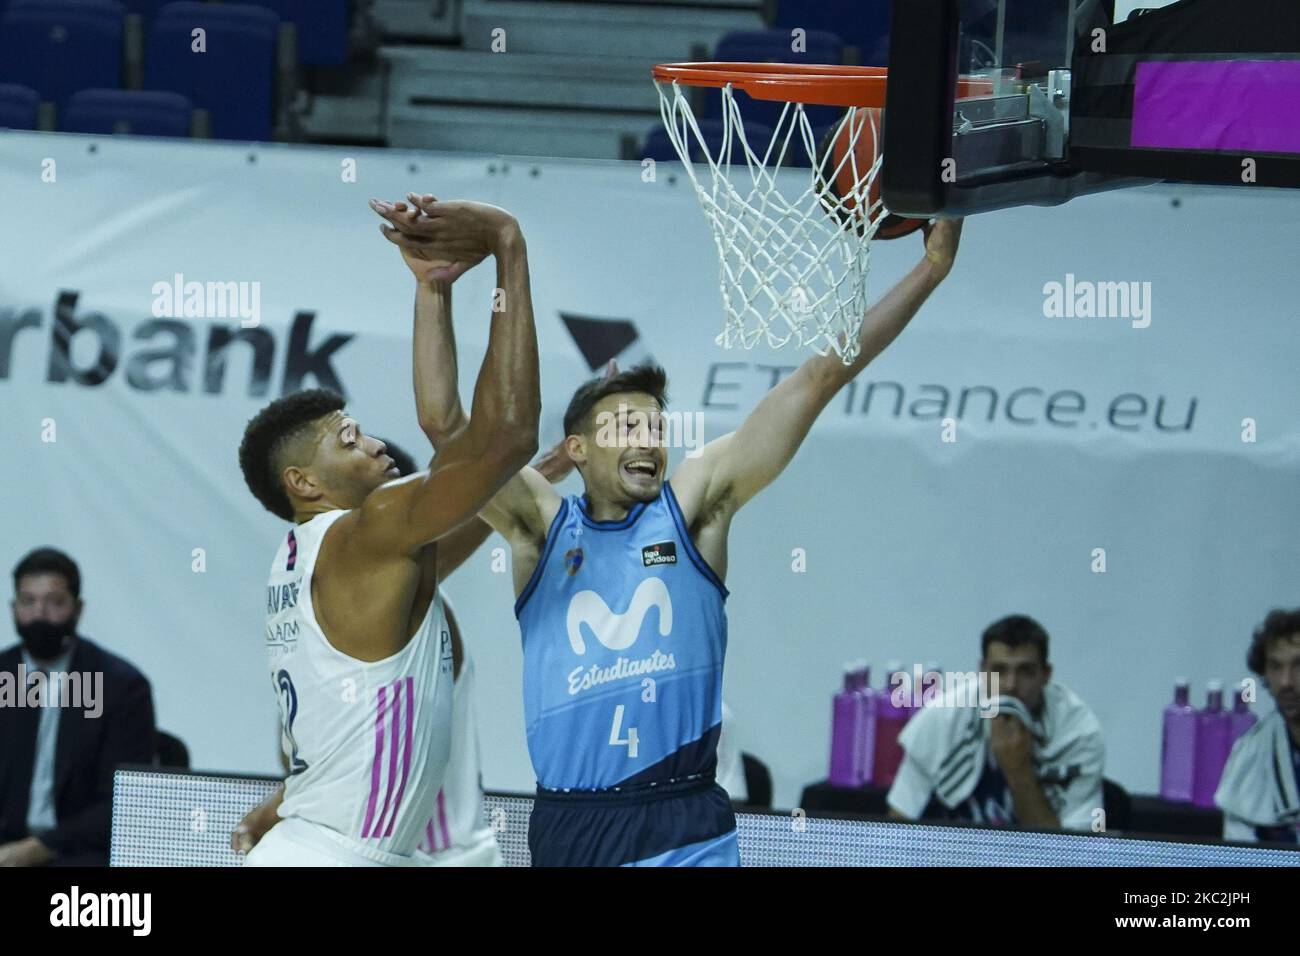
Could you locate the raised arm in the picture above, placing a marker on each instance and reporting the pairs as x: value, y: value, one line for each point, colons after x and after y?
x: 501, y: 437
x: 434, y: 365
x: 526, y: 504
x: 732, y: 469
x: 442, y: 416
x: 437, y: 386
x: 437, y: 395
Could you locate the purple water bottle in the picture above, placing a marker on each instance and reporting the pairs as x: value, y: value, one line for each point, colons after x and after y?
x: 869, y: 698
x: 1178, y: 747
x: 891, y: 715
x: 1242, y: 718
x: 847, y: 721
x: 1213, y: 726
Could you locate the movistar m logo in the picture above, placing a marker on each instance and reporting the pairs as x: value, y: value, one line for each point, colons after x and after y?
x: 618, y: 631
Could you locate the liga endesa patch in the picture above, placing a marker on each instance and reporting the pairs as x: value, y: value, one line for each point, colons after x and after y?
x: 665, y: 552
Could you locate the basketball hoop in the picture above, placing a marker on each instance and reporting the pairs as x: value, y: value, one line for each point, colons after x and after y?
x: 794, y: 244
x: 794, y: 250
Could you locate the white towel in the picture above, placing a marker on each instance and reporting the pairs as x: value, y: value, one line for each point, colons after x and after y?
x: 1258, y: 783
x: 950, y: 745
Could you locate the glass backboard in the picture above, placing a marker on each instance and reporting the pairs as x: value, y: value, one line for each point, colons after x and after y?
x: 1069, y: 102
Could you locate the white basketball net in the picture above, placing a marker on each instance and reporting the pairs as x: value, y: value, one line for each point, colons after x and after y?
x: 794, y: 268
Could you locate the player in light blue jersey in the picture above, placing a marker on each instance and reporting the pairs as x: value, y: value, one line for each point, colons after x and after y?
x: 620, y: 592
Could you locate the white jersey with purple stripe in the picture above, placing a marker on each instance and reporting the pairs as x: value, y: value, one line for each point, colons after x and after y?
x: 367, y: 742
x: 456, y: 824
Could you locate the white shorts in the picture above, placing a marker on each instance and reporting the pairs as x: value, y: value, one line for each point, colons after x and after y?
x: 483, y: 852
x: 295, y: 842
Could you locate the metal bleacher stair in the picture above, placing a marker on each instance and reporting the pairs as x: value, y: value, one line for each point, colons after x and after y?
x: 549, y: 77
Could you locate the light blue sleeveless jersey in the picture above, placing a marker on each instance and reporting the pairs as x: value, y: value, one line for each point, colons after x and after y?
x: 624, y: 634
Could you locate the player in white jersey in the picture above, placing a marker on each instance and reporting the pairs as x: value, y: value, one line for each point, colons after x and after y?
x: 361, y: 658
x: 456, y: 832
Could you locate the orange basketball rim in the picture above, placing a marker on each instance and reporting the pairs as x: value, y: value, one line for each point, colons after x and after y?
x: 820, y: 84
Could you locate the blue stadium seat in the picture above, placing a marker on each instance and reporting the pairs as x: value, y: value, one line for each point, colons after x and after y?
x: 860, y: 23
x: 135, y: 112
x: 19, y: 106
x: 234, y: 80
x: 60, y: 46
x: 148, y: 9
x: 773, y: 46
x: 322, y: 28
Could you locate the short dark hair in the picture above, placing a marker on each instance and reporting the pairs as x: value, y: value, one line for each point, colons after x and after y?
x: 267, y: 435
x: 649, y: 379
x: 1280, y: 625
x: 401, y: 457
x: 1014, y: 631
x: 49, y: 561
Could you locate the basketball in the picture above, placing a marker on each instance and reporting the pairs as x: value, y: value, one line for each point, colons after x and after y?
x: 863, y: 138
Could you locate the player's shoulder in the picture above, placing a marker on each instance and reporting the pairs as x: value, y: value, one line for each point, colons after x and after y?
x: 354, y: 540
x: 329, y: 534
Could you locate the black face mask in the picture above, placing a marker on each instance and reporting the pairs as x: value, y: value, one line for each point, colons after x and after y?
x: 44, y: 640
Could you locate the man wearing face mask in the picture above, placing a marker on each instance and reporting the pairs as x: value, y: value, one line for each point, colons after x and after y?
x: 69, y: 713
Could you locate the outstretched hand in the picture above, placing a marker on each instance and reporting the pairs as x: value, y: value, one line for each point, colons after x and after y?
x: 942, y: 237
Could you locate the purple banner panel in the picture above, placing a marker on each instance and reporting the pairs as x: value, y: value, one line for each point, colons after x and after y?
x: 1218, y: 105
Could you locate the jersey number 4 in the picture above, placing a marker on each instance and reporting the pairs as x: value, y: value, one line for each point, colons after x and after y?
x: 615, y: 741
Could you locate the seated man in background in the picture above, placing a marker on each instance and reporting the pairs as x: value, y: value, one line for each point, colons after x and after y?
x: 1259, y: 792
x: 1031, y: 756
x: 69, y: 713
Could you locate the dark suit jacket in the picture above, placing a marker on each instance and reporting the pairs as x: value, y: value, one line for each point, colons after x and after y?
x: 86, y: 752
